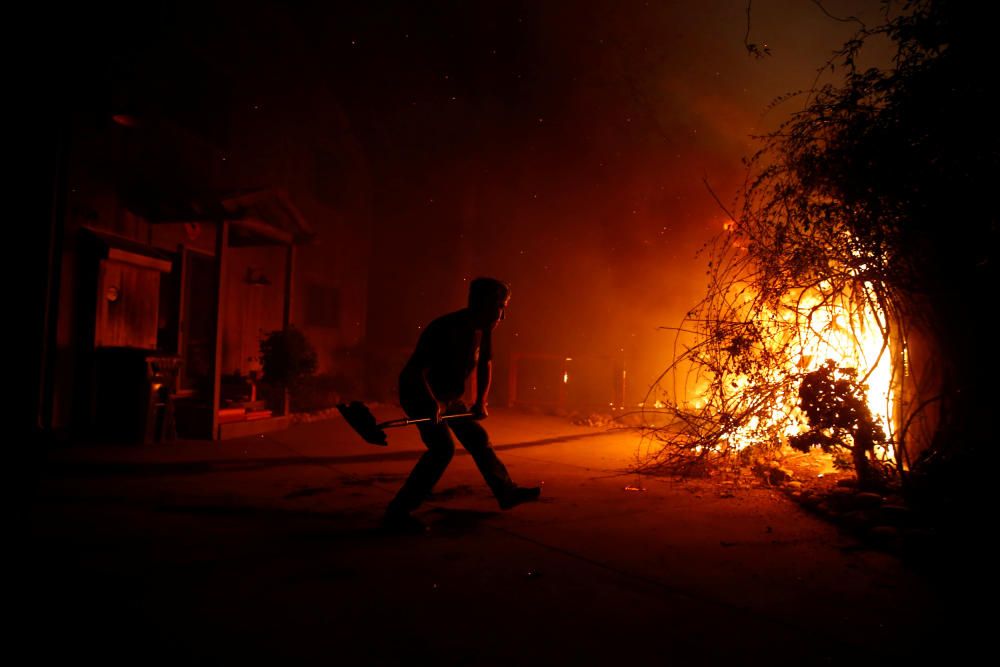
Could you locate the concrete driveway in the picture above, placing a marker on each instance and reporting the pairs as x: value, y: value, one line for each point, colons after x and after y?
x: 267, y: 550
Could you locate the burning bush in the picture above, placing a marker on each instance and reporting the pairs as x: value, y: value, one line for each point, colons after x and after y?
x: 766, y: 368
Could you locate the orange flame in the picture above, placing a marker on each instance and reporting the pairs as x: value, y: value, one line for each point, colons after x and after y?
x: 817, y: 325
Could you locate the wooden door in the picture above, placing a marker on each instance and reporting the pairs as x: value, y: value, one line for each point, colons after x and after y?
x: 196, y: 343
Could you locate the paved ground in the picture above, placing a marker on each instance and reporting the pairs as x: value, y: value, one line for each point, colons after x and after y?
x: 267, y: 551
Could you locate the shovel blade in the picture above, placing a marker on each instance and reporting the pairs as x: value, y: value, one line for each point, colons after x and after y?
x: 363, y: 421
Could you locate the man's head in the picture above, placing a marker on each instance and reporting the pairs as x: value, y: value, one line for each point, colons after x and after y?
x: 488, y: 298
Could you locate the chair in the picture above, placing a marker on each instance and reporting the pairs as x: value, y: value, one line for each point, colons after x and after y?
x: 161, y: 374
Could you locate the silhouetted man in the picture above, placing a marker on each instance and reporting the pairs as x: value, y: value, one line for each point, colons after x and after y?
x: 432, y: 384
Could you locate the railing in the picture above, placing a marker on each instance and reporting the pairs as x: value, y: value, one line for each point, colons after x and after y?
x: 588, y: 382
x: 565, y: 382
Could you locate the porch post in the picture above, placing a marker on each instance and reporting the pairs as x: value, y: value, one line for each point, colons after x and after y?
x: 286, y: 316
x: 221, y: 265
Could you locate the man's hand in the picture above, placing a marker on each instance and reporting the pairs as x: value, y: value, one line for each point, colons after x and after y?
x: 436, y: 415
x: 479, y: 411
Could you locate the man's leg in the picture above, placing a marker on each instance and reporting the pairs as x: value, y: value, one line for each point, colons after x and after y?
x: 476, y: 440
x: 427, y: 471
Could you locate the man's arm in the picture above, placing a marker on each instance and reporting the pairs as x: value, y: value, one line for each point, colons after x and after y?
x: 420, y: 365
x: 425, y: 376
x: 484, y: 375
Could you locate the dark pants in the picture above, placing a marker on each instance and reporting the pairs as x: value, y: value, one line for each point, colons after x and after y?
x: 441, y: 449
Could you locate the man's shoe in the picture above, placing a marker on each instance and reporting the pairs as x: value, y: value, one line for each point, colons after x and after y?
x: 403, y: 523
x: 519, y: 494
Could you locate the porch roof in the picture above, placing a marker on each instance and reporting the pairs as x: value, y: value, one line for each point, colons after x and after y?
x: 261, y: 216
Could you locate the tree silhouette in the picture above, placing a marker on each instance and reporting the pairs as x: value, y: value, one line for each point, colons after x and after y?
x: 865, y: 213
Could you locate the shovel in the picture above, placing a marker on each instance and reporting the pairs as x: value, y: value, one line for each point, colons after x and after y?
x: 363, y: 421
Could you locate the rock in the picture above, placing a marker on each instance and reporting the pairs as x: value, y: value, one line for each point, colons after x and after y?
x: 847, y: 499
x: 842, y: 499
x: 778, y: 475
x: 867, y: 500
x: 847, y: 482
x: 793, y: 486
x: 809, y: 499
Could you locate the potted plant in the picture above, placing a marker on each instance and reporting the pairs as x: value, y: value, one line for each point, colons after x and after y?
x: 287, y: 358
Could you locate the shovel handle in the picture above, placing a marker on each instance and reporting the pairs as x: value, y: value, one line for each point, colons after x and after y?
x: 392, y: 423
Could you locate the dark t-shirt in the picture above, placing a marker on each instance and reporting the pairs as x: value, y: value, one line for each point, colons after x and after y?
x: 449, y: 348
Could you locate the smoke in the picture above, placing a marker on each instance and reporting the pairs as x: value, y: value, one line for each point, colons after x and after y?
x: 567, y: 148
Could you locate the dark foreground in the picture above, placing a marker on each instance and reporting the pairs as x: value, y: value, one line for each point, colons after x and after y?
x: 268, y: 551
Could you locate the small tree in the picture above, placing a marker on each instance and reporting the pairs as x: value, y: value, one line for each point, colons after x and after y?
x: 840, y: 421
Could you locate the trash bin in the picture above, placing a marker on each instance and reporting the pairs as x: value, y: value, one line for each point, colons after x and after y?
x: 121, y: 392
